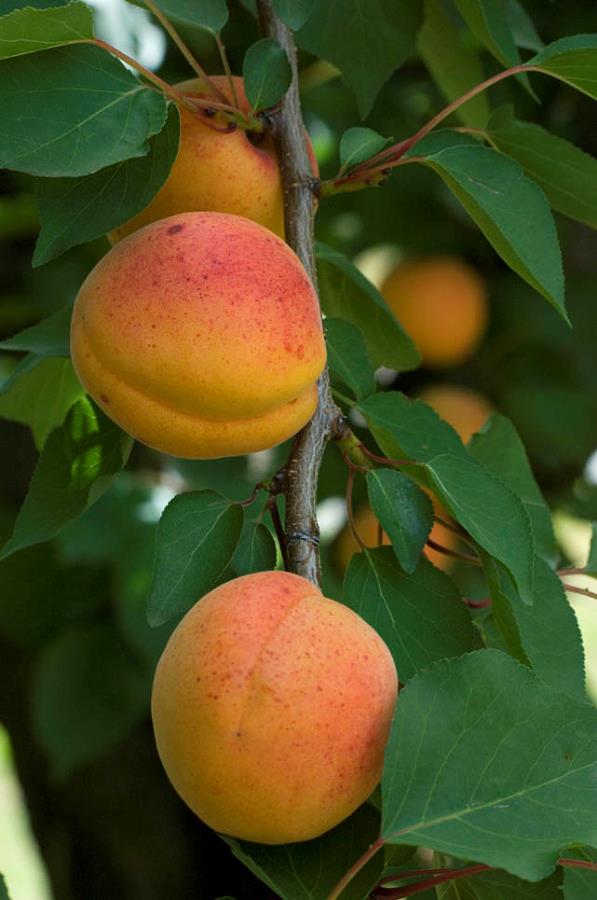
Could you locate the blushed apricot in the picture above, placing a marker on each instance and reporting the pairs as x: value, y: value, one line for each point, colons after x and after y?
x: 200, y: 335
x: 218, y: 171
x: 442, y: 304
x: 271, y: 709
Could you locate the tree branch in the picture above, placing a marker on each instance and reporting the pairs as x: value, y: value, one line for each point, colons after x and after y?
x: 302, y: 467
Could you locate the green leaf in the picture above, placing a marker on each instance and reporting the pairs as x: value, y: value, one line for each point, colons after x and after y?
x: 547, y: 631
x: 267, y: 73
x: 421, y: 617
x: 522, y: 27
x: 580, y: 884
x: 50, y: 337
x: 486, y: 763
x: 76, y: 210
x: 211, y: 15
x: 294, y: 12
x: 571, y: 59
x: 345, y: 31
x: 492, y: 28
x: 30, y: 30
x: 3, y: 889
x: 453, y: 63
x: 566, y: 174
x: 486, y: 507
x: 405, y: 512
x: 88, y: 693
x: 256, y: 549
x: 76, y: 466
x: 511, y: 211
x: 499, y: 448
x: 197, y: 535
x: 591, y: 566
x: 310, y: 869
x: 347, y: 357
x: 346, y: 294
x: 358, y: 144
x: 73, y: 110
x: 41, y: 396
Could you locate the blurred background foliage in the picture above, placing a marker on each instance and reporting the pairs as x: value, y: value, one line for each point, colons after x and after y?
x: 76, y: 654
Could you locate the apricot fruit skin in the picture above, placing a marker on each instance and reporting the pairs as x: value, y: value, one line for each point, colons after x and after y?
x: 218, y: 171
x: 442, y: 304
x: 271, y: 709
x: 200, y: 335
x: 464, y: 409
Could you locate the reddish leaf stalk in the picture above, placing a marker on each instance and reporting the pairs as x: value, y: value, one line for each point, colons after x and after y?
x: 585, y: 592
x: 466, y: 557
x: 392, y: 156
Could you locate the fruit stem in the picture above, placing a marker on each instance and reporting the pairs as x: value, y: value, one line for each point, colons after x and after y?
x: 356, y: 868
x: 227, y: 69
x: 194, y: 64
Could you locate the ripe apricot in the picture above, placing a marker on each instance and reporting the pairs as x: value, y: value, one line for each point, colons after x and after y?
x: 442, y: 304
x: 200, y: 335
x: 367, y: 526
x: 218, y: 171
x: 271, y: 709
x: 465, y: 410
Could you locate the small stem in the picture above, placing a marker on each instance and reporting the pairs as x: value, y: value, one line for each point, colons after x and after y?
x: 457, y: 529
x: 356, y: 868
x: 163, y: 86
x: 195, y: 66
x: 343, y: 397
x: 272, y: 506
x: 352, y: 450
x: 392, y: 156
x: 227, y: 69
x: 580, y: 590
x: 578, y: 864
x: 573, y: 570
x: 411, y: 889
x: 455, y: 553
x: 386, y: 460
x: 477, y: 604
x: 349, y: 510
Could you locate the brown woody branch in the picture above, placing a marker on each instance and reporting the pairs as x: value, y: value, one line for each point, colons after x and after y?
x: 302, y: 467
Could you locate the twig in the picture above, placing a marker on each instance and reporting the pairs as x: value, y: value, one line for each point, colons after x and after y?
x: 356, y: 868
x: 302, y: 468
x: 467, y: 557
x: 573, y: 570
x: 580, y: 590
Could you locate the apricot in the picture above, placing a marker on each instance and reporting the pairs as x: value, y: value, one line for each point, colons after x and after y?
x: 367, y: 526
x: 442, y: 304
x: 200, y: 335
x: 465, y: 410
x: 218, y: 171
x: 271, y: 709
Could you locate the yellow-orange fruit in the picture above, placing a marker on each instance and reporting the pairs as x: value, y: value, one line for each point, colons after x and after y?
x: 366, y: 524
x: 271, y: 709
x: 465, y: 410
x: 218, y: 171
x: 442, y: 304
x: 200, y: 335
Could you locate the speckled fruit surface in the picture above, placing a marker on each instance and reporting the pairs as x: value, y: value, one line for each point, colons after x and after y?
x: 271, y: 708
x: 200, y: 335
